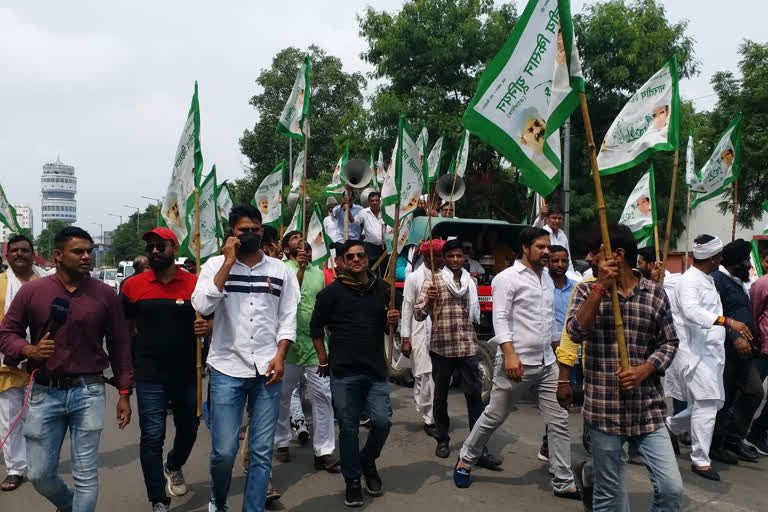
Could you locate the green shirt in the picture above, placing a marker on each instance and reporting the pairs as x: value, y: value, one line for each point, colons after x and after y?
x: 302, y: 352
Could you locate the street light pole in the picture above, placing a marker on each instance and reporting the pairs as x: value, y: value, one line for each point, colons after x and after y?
x: 118, y: 216
x: 159, y: 207
x: 101, y: 242
x: 138, y: 216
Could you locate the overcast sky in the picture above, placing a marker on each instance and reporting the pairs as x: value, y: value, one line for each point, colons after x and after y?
x: 107, y: 89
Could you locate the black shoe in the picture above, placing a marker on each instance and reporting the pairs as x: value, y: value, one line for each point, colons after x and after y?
x: 283, y: 455
x: 329, y: 463
x: 586, y: 491
x: 709, y: 474
x: 353, y: 497
x: 431, y: 430
x: 575, y: 494
x: 373, y: 483
x: 743, y: 452
x: 489, y: 461
x: 758, y: 441
x: 443, y: 449
x: 723, y: 454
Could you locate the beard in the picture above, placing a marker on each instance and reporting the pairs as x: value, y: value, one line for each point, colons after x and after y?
x: 742, y: 273
x: 159, y: 263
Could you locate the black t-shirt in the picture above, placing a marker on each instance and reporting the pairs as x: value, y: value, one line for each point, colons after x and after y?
x: 356, y: 322
x: 164, y: 349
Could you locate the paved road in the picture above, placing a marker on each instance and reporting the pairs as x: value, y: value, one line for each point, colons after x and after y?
x: 414, y: 478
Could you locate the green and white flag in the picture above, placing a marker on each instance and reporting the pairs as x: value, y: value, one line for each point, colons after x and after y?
x: 528, y: 91
x: 296, y: 223
x: 691, y: 175
x: 722, y: 168
x: 640, y: 211
x: 463, y: 155
x: 291, y: 121
x: 404, y: 185
x: 336, y: 187
x: 8, y: 213
x: 225, y: 202
x: 405, y: 231
x: 649, y: 122
x: 269, y: 197
x: 187, y: 168
x: 298, y: 173
x: 372, y: 164
x: 754, y: 256
x: 421, y: 142
x: 765, y: 231
x: 209, y: 221
x: 317, y: 238
x: 380, y: 171
x: 433, y: 160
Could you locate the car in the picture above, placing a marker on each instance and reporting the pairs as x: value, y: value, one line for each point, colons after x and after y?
x: 109, y: 276
x: 464, y: 229
x: 124, y: 271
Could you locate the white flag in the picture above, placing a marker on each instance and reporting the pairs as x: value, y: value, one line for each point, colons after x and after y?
x: 691, y: 179
x: 209, y: 231
x: 317, y: 237
x: 297, y: 107
x: 298, y: 173
x: 380, y: 172
x: 461, y: 160
x: 269, y: 197
x: 405, y: 184
x: 433, y: 160
x: 640, y: 211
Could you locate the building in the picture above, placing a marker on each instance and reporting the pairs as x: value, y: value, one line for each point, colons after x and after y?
x: 108, y: 238
x: 24, y: 218
x: 58, y: 185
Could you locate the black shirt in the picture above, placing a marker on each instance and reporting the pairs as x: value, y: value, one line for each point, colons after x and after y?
x: 356, y: 321
x: 164, y: 350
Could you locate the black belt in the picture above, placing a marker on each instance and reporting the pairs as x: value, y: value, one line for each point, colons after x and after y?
x: 69, y: 382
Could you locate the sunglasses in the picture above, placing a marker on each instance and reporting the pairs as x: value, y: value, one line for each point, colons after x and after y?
x: 160, y: 246
x: 356, y: 256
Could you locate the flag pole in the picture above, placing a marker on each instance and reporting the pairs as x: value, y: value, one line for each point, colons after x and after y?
x: 607, y: 252
x: 198, y: 344
x: 304, y: 180
x: 668, y: 232
x: 687, y: 230
x: 735, y: 208
x: 392, y: 265
x: 656, y: 240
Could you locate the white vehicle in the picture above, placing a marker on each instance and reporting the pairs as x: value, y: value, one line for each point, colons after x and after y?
x: 124, y: 270
x: 109, y: 276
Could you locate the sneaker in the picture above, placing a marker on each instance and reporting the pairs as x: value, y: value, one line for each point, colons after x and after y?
x: 743, y: 452
x: 365, y: 420
x: 372, y: 479
x: 175, y: 484
x: 283, y: 455
x: 160, y: 507
x: 212, y: 507
x: 443, y: 449
x: 353, y: 497
x: 302, y: 433
x: 461, y: 476
x: 758, y: 442
x: 329, y: 463
x: 543, y: 454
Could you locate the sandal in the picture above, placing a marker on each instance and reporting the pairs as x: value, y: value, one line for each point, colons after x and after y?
x: 272, y: 495
x: 12, y: 482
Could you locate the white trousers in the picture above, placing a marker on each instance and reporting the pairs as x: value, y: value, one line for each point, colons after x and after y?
x: 699, y: 420
x: 323, y: 434
x: 15, y: 448
x: 423, y: 394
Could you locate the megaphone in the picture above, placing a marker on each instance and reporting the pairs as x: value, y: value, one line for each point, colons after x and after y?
x: 364, y: 196
x: 357, y: 174
x: 451, y: 187
x: 293, y: 199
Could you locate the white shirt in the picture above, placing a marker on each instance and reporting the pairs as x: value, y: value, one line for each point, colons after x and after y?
x: 419, y: 332
x: 331, y: 227
x: 524, y: 313
x: 557, y: 239
x: 255, y: 311
x: 372, y: 226
x: 475, y: 267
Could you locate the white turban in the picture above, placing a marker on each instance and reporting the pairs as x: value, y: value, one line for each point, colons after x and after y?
x: 707, y: 250
x: 424, y: 197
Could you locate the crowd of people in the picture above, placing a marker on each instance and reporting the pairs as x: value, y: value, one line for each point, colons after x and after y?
x: 276, y: 325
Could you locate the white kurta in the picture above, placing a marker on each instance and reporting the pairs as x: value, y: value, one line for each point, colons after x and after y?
x: 674, y: 383
x: 702, y: 344
x: 418, y: 332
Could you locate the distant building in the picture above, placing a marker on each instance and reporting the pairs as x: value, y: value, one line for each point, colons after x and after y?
x: 58, y: 185
x: 108, y: 238
x: 24, y: 218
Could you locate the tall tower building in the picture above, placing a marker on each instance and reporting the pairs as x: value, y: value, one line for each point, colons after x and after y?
x: 59, y: 186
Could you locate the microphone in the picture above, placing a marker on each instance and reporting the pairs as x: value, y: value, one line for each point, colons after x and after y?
x: 58, y: 315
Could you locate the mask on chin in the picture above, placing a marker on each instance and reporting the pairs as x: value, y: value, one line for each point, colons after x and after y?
x: 250, y: 242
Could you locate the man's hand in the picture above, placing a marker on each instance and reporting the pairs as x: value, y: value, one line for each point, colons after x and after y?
x: 743, y: 348
x: 344, y: 200
x: 656, y: 271
x: 275, y: 370
x: 323, y: 371
x: 513, y: 367
x: 123, y: 411
x: 543, y: 211
x: 565, y: 395
x: 742, y: 330
x: 42, y: 350
x: 393, y: 316
x: 431, y: 293
x: 201, y: 327
x: 632, y: 377
x: 230, y: 250
x: 405, y: 347
x: 301, y: 257
x: 609, y: 271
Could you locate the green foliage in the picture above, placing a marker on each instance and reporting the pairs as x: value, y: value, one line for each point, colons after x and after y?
x: 126, y: 242
x: 44, y: 243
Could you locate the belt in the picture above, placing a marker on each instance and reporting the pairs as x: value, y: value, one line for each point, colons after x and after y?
x: 70, y: 381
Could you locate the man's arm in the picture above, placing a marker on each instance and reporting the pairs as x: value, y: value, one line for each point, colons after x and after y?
x: 13, y: 329
x: 208, y: 293
x: 423, y: 307
x: 317, y: 324
x: 503, y: 290
x: 118, y: 344
x: 690, y: 305
x: 573, y: 327
x: 289, y: 303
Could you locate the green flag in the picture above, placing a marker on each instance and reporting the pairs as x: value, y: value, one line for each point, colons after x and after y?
x: 296, y: 110
x: 463, y: 155
x: 640, y: 211
x: 225, y: 202
x: 528, y: 91
x: 209, y: 230
x: 722, y: 168
x: 8, y: 213
x: 185, y: 176
x: 649, y: 122
x: 405, y: 184
x: 336, y: 186
x: 754, y: 255
x: 433, y: 160
x: 317, y: 238
x: 269, y: 197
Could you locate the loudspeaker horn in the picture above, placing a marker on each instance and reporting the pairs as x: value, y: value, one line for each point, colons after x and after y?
x: 446, y: 184
x: 357, y: 174
x: 364, y: 196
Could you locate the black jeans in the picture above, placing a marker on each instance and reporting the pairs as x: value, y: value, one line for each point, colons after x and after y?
x: 743, y: 394
x: 152, y: 399
x: 442, y: 371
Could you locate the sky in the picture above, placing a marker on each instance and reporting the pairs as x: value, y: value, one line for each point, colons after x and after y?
x: 107, y: 89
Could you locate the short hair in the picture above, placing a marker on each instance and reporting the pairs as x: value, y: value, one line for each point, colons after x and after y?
x: 530, y: 234
x: 621, y: 237
x: 288, y: 236
x: 452, y: 245
x: 648, y: 253
x: 374, y: 194
x: 593, y: 240
x: 419, y: 212
x: 558, y: 248
x: 68, y: 233
x: 21, y: 238
x: 243, y: 211
x: 555, y: 209
x: 270, y: 235
x: 346, y: 246
x: 446, y: 204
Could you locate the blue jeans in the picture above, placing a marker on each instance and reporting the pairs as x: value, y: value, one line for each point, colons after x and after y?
x: 50, y: 413
x: 351, y: 393
x: 226, y: 400
x: 152, y: 400
x: 609, y: 470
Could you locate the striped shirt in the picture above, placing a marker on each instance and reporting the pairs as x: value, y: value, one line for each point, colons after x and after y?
x: 650, y: 335
x: 255, y: 311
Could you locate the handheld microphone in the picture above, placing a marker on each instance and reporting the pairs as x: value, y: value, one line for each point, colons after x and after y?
x: 58, y: 315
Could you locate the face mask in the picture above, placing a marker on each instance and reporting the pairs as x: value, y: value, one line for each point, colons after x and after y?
x: 250, y: 242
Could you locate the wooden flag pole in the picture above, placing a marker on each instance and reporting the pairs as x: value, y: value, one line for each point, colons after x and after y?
x: 656, y: 241
x: 392, y: 266
x: 735, y: 208
x: 607, y: 252
x: 687, y: 230
x: 199, y: 343
x: 670, y: 210
x: 304, y: 181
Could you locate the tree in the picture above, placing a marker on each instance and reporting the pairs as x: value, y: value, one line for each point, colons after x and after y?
x: 44, y: 243
x: 336, y: 115
x: 126, y: 243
